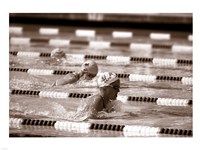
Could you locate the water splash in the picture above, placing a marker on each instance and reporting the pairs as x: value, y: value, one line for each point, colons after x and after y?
x: 63, y: 111
x: 84, y: 112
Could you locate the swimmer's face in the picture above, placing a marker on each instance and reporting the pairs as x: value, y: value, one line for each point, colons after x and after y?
x: 113, y: 89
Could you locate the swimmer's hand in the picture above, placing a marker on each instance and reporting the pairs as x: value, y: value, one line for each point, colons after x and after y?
x: 54, y: 84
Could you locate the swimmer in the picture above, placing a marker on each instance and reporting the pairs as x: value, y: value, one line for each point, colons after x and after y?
x: 89, y: 70
x: 109, y: 85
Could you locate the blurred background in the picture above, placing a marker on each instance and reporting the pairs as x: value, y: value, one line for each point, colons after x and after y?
x: 167, y: 21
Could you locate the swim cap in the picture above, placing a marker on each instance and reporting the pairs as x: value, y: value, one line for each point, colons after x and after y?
x: 90, y: 67
x: 106, y: 78
x: 57, y: 53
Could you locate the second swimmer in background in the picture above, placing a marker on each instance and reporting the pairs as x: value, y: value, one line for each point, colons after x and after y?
x: 88, y: 71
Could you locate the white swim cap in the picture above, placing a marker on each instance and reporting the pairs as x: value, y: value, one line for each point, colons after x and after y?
x: 106, y: 78
x: 90, y: 67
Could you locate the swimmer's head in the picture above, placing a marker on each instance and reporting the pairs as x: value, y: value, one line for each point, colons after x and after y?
x: 90, y: 68
x: 109, y: 85
x: 57, y: 53
x: 108, y: 79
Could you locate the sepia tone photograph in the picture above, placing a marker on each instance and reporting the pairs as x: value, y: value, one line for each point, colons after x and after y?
x: 101, y: 75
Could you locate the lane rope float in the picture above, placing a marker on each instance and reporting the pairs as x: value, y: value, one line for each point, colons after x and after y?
x: 85, y: 33
x: 122, y: 34
x: 160, y: 36
x: 49, y: 31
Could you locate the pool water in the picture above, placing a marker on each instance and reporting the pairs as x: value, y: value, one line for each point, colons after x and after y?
x: 126, y: 113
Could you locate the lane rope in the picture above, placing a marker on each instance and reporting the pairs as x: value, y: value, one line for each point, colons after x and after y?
x: 41, y: 71
x: 100, y: 44
x: 130, y: 77
x: 109, y: 58
x: 92, y: 33
x: 134, y: 130
x: 122, y: 98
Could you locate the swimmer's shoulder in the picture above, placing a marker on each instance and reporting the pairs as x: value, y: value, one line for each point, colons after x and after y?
x: 96, y: 102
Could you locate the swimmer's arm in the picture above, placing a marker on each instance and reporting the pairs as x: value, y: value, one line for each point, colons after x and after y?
x: 68, y: 79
